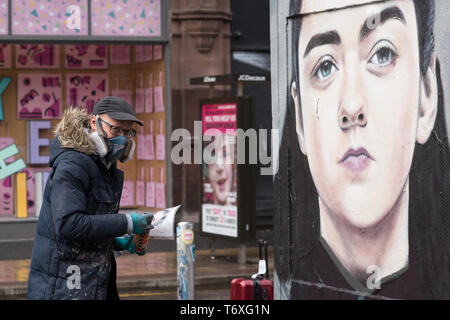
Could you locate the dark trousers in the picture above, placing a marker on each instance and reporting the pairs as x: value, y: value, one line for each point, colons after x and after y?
x: 111, y: 293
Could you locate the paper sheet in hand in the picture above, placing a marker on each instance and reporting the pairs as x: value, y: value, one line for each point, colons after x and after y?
x: 163, y: 223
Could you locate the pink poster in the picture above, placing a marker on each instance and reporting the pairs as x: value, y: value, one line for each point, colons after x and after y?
x: 140, y: 144
x: 120, y: 54
x: 139, y: 53
x: 37, y: 56
x: 140, y: 188
x: 160, y: 191
x: 127, y: 199
x: 160, y: 142
x: 149, y: 95
x: 4, y: 16
x: 219, y: 116
x: 85, y: 89
x: 50, y: 17
x: 125, y: 94
x: 148, y: 52
x: 159, y: 95
x: 6, y: 197
x: 126, y: 18
x: 149, y: 145
x: 158, y: 52
x: 140, y: 193
x: 5, y: 56
x: 140, y: 94
x: 150, y: 191
x: 143, y: 53
x: 39, y: 96
x: 84, y: 56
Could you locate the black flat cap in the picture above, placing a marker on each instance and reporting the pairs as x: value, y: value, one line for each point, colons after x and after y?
x: 116, y: 108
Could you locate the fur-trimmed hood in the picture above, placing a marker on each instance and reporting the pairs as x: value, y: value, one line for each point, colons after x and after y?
x: 71, y: 132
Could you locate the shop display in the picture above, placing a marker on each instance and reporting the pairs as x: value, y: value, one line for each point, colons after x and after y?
x: 39, y: 95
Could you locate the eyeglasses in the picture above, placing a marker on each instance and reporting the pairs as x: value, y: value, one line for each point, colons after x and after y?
x: 117, y: 131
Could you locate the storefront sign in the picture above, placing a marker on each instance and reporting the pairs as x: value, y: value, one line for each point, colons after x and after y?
x: 125, y: 18
x: 82, y: 18
x: 7, y: 170
x: 34, y: 142
x: 49, y: 17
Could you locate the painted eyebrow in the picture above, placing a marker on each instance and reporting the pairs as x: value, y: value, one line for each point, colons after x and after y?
x: 330, y: 37
x: 385, y: 15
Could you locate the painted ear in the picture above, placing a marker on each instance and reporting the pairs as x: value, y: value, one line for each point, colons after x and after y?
x: 428, y: 103
x: 298, y: 118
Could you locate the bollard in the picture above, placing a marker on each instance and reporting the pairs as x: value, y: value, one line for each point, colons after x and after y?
x: 185, y: 260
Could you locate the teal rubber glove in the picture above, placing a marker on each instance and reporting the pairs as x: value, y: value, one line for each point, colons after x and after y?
x: 125, y: 243
x: 139, y: 222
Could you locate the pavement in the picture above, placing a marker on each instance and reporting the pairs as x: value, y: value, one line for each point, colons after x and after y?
x: 154, y: 271
x: 154, y: 275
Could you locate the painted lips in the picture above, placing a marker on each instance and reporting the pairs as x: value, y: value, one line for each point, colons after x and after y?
x: 356, y: 160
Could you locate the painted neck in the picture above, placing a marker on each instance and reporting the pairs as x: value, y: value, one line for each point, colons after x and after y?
x: 384, y: 245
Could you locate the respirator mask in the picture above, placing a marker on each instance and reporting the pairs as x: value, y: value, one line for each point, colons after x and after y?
x: 113, y: 149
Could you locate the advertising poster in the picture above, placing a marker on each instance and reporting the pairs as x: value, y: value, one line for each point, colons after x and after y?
x: 219, y: 205
x: 84, y: 56
x: 5, y: 56
x: 120, y: 54
x: 39, y: 95
x: 85, y: 89
x: 37, y: 56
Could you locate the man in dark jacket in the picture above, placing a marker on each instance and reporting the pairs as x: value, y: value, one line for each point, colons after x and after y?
x: 78, y: 226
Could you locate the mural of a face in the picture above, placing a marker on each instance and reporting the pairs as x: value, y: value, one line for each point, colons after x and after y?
x: 221, y: 175
x: 361, y: 106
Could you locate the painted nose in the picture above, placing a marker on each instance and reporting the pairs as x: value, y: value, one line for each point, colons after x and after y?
x: 348, y: 120
x: 353, y: 105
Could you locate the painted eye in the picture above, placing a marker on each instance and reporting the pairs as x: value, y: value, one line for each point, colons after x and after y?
x: 384, y: 57
x: 325, y: 69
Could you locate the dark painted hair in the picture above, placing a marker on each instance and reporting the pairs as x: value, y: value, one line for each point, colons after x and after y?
x: 429, y: 187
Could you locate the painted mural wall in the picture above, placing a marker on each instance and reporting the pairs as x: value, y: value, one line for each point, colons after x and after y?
x: 362, y: 189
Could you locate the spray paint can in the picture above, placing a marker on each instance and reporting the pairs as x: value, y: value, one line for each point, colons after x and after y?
x: 185, y: 260
x: 141, y: 240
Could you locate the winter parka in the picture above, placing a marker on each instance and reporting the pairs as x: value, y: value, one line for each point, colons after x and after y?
x: 78, y: 221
